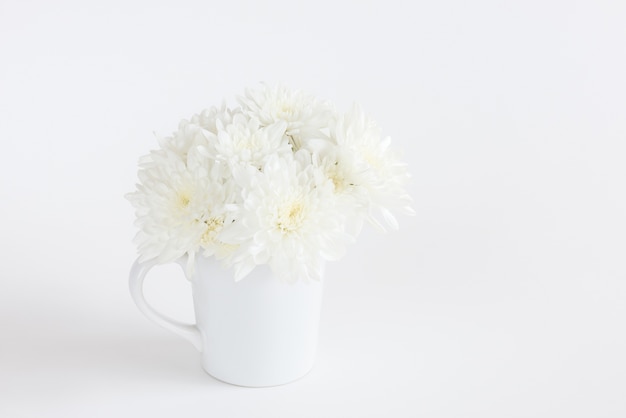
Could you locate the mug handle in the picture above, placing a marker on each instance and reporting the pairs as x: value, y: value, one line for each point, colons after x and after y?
x: 138, y: 273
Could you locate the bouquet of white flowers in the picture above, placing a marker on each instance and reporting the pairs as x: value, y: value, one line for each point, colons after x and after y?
x: 283, y: 180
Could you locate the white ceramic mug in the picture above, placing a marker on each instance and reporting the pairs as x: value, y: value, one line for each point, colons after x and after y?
x: 257, y: 332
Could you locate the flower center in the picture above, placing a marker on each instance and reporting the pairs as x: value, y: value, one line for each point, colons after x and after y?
x: 245, y: 143
x: 291, y: 216
x: 338, y: 177
x: 337, y: 182
x: 212, y: 226
x: 332, y: 172
x: 183, y: 200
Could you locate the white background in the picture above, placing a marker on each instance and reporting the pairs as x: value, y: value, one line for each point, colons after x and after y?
x: 504, y: 297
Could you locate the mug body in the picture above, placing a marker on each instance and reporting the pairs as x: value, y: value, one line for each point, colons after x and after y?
x: 260, y: 331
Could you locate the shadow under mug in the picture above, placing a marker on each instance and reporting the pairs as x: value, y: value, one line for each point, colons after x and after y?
x: 257, y: 332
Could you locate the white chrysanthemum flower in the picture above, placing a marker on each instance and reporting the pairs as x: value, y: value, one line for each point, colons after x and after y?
x: 245, y: 142
x: 181, y: 210
x: 305, y: 116
x: 289, y: 220
x: 366, y: 166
